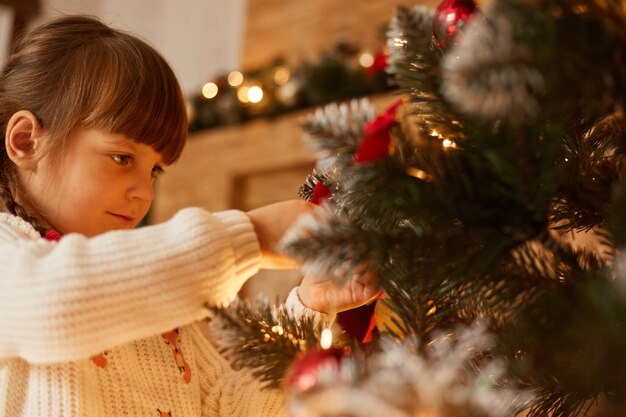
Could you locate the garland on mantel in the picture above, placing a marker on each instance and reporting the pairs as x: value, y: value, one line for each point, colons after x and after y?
x: 339, y: 74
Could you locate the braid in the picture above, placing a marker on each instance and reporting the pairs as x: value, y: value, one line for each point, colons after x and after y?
x: 21, y: 212
x: 9, y: 202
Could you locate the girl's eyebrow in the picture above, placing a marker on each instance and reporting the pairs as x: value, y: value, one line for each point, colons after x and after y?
x: 119, y: 141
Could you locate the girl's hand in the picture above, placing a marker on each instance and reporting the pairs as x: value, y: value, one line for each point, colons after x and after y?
x: 270, y: 224
x: 326, y: 295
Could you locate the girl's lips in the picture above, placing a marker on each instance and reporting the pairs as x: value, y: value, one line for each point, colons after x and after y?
x: 122, y: 217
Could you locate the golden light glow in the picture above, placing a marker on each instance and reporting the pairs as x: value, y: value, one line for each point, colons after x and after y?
x: 282, y: 75
x: 255, y: 94
x: 209, y: 90
x: 326, y: 338
x: 581, y: 9
x: 418, y: 173
x: 235, y: 78
x: 242, y: 94
x: 447, y: 143
x: 278, y: 330
x: 399, y: 42
x: 366, y: 59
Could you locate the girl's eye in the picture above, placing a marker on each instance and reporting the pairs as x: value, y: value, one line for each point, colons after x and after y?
x: 156, y: 171
x: 121, y: 158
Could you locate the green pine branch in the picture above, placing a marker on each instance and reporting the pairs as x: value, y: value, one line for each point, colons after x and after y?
x: 414, y: 62
x: 306, y: 190
x: 263, y: 337
x: 325, y: 241
x: 334, y: 132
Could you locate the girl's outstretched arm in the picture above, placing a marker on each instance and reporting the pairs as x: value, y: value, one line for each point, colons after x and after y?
x: 270, y: 223
x: 68, y: 300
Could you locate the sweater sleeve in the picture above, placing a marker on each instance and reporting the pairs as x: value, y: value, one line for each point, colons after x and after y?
x: 298, y: 308
x: 67, y: 300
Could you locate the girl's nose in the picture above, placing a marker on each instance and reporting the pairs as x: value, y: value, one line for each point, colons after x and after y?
x: 142, y: 189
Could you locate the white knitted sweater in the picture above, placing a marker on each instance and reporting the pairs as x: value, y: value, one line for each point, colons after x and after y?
x: 111, y: 325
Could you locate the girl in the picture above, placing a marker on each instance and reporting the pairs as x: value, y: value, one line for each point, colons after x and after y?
x: 99, y: 318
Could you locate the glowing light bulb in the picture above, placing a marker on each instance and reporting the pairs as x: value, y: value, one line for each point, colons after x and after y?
x: 209, y: 90
x: 242, y: 94
x: 255, y: 94
x: 235, y: 78
x: 278, y: 330
x: 417, y: 173
x: 326, y: 338
x: 366, y: 59
x: 399, y: 42
x: 447, y: 143
x: 282, y: 75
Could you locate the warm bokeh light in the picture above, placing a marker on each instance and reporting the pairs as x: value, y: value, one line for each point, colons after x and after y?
x: 418, y: 173
x: 209, y: 90
x: 255, y: 94
x: 278, y: 330
x: 282, y: 75
x: 366, y: 59
x: 326, y: 338
x: 242, y: 94
x: 447, y: 143
x: 235, y: 78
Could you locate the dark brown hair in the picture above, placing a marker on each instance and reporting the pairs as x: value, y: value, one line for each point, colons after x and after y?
x: 75, y: 71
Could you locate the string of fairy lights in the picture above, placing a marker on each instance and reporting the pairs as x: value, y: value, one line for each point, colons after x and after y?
x: 342, y: 73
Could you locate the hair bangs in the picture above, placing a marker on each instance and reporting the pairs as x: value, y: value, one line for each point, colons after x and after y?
x: 135, y: 93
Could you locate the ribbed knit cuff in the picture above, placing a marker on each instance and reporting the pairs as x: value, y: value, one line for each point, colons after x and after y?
x: 298, y: 309
x: 244, y: 241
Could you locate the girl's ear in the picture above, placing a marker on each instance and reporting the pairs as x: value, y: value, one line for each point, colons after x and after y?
x: 23, y: 139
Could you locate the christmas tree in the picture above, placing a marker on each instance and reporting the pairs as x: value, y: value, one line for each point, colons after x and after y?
x: 491, y: 204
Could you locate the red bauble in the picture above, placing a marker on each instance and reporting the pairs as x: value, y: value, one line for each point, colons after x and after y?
x: 450, y: 17
x: 320, y: 193
x: 303, y: 374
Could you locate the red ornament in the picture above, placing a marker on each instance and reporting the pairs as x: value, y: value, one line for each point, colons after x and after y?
x: 376, y: 139
x: 320, y: 193
x: 304, y: 373
x: 450, y: 17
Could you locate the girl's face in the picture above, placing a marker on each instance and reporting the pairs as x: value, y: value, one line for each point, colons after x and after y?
x: 103, y: 182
